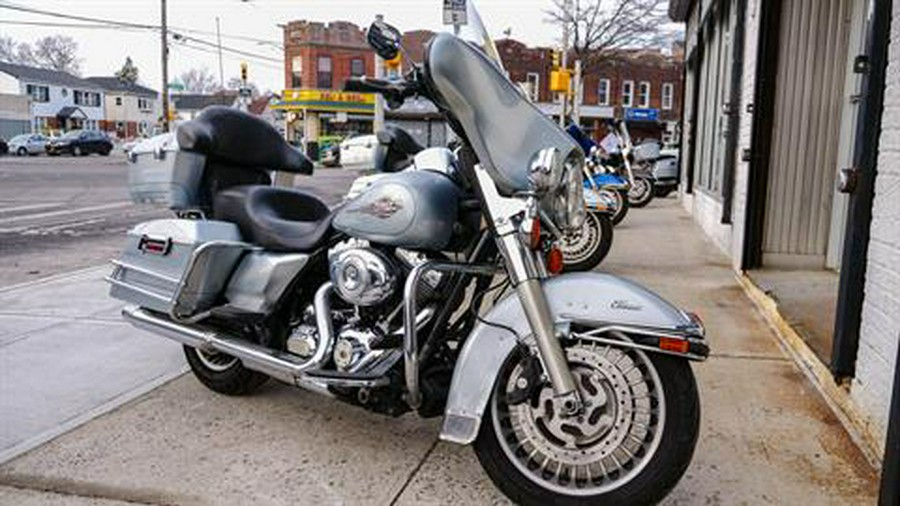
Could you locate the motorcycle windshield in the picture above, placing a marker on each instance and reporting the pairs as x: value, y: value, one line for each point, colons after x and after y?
x: 502, y: 126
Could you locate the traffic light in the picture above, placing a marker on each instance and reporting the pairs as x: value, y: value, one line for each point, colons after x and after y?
x: 394, y: 63
x: 244, y: 71
x: 557, y: 57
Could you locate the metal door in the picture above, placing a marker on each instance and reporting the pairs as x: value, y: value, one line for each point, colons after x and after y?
x: 809, y: 104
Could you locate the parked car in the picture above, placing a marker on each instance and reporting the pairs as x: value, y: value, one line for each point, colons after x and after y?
x: 80, y: 142
x: 359, y: 151
x: 28, y: 144
x: 4, y: 147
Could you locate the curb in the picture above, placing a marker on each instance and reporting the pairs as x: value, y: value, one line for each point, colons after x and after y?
x: 836, y: 396
x: 50, y: 279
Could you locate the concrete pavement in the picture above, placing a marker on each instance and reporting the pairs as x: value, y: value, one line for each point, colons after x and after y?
x: 66, y: 357
x: 767, y: 437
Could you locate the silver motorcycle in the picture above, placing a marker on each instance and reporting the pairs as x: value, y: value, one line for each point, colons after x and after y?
x: 434, y: 291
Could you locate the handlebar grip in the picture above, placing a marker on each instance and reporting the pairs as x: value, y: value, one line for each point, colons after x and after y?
x: 363, y: 85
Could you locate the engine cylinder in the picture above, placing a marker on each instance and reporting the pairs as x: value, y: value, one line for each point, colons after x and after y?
x: 363, y: 276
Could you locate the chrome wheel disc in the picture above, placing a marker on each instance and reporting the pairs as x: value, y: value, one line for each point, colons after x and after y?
x: 579, y: 245
x: 640, y: 189
x: 602, y: 448
x: 216, y: 361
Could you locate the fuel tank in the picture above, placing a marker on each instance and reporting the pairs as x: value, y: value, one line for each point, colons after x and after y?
x: 413, y: 210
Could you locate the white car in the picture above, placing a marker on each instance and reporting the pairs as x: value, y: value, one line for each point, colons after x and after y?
x: 359, y: 151
x: 28, y: 144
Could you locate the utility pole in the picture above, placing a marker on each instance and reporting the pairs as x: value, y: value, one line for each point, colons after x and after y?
x: 567, y: 7
x: 165, y: 68
x: 578, y: 97
x: 378, y: 123
x: 219, y: 40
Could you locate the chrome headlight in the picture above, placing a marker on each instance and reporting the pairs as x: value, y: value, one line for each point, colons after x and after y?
x: 564, y: 204
x: 546, y: 171
x: 576, y: 210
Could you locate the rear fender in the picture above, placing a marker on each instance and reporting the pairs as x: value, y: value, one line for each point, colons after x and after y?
x: 593, y: 299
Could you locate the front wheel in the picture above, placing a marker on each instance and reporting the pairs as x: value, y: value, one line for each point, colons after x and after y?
x: 222, y: 373
x: 584, y: 249
x: 641, y: 193
x: 77, y: 151
x: 630, y: 445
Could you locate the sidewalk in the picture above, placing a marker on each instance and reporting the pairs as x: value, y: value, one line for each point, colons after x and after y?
x: 767, y: 437
x: 66, y: 357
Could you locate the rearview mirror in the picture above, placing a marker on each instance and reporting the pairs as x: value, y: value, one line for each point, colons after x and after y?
x: 384, y: 39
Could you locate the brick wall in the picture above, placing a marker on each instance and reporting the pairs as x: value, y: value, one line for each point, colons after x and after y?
x: 341, y: 41
x: 650, y: 66
x: 880, y: 332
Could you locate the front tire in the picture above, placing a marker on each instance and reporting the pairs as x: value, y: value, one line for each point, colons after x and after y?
x: 632, y: 453
x: 223, y: 374
x: 622, y: 206
x: 641, y: 193
x: 585, y: 249
x: 77, y: 151
x: 21, y: 151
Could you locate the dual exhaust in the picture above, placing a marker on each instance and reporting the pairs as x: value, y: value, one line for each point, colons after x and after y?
x: 279, y: 365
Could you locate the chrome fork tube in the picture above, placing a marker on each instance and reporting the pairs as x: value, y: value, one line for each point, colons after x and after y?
x: 525, y: 272
x: 534, y: 303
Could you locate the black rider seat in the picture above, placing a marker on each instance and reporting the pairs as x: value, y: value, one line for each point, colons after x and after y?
x: 277, y: 219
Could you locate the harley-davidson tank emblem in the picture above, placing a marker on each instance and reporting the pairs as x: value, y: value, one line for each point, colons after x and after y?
x: 383, y: 208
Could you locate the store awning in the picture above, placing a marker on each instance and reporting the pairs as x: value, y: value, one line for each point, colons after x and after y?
x: 326, y: 101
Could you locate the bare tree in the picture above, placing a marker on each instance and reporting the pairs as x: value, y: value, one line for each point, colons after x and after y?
x: 596, y: 26
x: 8, y: 49
x: 58, y: 52
x: 199, y: 81
x: 55, y: 52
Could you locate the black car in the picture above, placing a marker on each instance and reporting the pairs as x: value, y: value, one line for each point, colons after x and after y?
x: 80, y: 142
x: 4, y: 147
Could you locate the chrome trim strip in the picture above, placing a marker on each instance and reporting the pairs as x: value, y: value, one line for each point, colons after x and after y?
x: 143, y: 291
x: 144, y: 271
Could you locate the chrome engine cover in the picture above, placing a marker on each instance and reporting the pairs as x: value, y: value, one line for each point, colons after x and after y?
x: 362, y: 276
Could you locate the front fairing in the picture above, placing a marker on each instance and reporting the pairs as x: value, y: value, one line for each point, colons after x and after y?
x: 505, y: 130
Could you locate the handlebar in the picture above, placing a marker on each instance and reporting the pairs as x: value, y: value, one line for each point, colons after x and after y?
x: 395, y: 92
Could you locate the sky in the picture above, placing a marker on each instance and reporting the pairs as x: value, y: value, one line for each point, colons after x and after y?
x: 104, y: 50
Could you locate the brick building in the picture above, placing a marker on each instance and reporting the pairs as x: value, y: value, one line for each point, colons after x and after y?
x: 323, y: 56
x: 643, y: 86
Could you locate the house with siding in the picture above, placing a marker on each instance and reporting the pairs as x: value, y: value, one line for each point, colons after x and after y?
x: 59, y: 101
x: 132, y: 110
x: 791, y: 164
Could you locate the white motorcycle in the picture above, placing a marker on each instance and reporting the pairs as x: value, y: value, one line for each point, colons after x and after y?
x: 574, y: 388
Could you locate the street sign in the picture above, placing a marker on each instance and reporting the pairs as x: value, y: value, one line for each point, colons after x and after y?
x: 641, y: 114
x: 455, y: 12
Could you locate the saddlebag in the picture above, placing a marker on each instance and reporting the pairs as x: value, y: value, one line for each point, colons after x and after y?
x: 177, y: 267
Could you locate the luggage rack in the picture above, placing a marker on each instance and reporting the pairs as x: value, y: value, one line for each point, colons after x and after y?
x: 184, y: 297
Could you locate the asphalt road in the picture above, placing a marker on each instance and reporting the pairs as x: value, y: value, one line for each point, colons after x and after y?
x: 62, y: 214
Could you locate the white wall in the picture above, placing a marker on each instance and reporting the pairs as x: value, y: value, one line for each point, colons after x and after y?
x: 129, y: 110
x: 61, y: 97
x: 9, y: 85
x: 880, y: 332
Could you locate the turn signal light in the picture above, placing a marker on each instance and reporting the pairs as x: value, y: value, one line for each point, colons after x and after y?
x: 555, y: 261
x: 674, y: 345
x: 534, y: 239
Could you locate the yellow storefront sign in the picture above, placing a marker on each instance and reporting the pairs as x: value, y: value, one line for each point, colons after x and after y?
x: 327, y: 100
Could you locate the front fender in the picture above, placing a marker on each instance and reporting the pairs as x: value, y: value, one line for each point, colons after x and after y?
x: 582, y: 297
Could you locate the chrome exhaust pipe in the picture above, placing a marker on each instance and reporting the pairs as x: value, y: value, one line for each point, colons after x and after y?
x: 274, y: 363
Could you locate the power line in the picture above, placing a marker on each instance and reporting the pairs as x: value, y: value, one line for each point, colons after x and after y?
x: 187, y: 45
x: 126, y: 24
x: 66, y: 25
